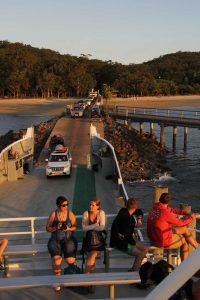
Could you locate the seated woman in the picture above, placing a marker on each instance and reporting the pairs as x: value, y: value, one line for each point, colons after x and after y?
x: 62, y: 224
x: 93, y: 219
x: 123, y: 235
x: 3, y: 245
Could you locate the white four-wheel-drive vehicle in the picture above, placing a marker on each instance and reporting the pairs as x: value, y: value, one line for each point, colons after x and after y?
x: 59, y: 162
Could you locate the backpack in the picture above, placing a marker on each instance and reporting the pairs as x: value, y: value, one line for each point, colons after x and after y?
x: 153, y: 273
x: 160, y: 270
x: 73, y: 269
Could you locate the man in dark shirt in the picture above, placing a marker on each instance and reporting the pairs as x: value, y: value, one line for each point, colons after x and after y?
x: 123, y: 235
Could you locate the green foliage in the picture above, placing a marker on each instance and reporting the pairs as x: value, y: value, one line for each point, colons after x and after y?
x: 26, y: 71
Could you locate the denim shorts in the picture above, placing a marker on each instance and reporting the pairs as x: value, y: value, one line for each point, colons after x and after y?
x: 66, y: 247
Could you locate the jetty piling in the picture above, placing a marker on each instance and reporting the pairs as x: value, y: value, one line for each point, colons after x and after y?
x: 162, y: 131
x: 158, y: 191
x: 174, y: 137
x: 185, y: 137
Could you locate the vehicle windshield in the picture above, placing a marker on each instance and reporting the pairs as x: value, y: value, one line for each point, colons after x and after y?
x: 55, y: 158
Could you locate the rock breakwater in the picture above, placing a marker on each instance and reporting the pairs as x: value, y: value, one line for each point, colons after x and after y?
x: 41, y: 134
x: 139, y: 157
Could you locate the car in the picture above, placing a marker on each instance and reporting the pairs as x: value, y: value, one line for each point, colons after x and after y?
x: 77, y: 111
x: 59, y: 162
x: 96, y: 111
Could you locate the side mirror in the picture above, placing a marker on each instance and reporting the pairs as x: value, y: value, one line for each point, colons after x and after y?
x: 46, y: 160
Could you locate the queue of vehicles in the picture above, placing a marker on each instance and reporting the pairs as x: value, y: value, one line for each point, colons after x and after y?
x: 78, y: 109
x: 59, y: 162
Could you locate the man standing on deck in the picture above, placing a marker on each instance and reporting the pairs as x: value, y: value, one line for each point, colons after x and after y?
x: 166, y: 230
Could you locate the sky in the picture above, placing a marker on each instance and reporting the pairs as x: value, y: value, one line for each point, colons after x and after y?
x: 123, y: 31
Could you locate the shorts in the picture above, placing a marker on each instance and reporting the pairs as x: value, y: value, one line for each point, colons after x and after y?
x: 177, y: 241
x: 66, y: 247
x: 130, y: 249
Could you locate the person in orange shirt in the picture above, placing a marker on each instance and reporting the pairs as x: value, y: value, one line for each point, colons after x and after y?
x: 164, y: 229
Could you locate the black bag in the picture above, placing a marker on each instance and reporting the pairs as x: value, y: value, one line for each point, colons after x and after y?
x: 94, y: 241
x: 153, y: 273
x: 73, y: 269
x: 160, y: 270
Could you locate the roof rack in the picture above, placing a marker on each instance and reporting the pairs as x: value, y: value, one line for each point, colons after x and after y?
x: 60, y: 149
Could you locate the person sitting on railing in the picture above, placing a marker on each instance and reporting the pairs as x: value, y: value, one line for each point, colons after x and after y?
x: 3, y: 245
x: 166, y: 230
x: 123, y: 233
x: 62, y: 224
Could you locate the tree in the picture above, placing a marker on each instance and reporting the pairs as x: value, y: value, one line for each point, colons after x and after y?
x: 107, y: 94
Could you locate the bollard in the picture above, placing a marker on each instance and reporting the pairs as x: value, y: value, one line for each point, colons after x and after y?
x: 158, y: 191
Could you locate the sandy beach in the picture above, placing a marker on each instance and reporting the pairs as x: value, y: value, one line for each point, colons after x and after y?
x: 158, y: 102
x: 52, y: 107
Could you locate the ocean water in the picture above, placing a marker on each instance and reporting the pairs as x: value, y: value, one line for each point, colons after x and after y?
x: 9, y: 122
x: 183, y: 181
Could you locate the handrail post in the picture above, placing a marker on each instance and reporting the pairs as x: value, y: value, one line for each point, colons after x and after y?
x: 33, y: 231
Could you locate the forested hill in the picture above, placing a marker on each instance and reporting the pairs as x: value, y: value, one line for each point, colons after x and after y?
x: 26, y: 71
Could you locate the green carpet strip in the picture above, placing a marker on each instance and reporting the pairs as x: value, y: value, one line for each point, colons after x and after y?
x: 84, y: 191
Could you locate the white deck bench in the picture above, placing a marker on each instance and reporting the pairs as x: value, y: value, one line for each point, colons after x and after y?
x: 110, y: 279
x: 14, y: 250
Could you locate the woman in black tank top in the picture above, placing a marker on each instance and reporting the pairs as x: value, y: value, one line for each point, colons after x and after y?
x: 62, y: 224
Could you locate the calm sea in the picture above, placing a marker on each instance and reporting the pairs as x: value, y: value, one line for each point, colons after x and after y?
x: 9, y: 122
x: 183, y: 181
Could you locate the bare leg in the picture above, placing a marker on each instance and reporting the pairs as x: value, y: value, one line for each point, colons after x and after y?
x: 3, y: 245
x: 187, y: 235
x: 90, y: 265
x: 56, y: 264
x: 184, y: 251
x: 139, y: 251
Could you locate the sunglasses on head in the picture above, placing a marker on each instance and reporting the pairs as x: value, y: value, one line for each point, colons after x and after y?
x: 63, y: 205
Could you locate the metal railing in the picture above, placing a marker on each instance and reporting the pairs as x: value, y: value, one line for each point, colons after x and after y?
x: 32, y: 227
x: 174, y: 113
x: 122, y: 189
